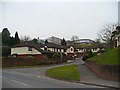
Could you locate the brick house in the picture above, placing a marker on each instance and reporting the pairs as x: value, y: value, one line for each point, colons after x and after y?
x: 28, y: 49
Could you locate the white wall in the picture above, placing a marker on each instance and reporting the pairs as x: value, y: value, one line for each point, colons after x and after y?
x: 69, y: 50
x: 23, y: 50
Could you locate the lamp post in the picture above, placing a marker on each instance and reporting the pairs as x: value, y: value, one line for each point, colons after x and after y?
x: 61, y: 56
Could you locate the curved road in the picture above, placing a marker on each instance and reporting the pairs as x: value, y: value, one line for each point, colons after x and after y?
x: 35, y: 78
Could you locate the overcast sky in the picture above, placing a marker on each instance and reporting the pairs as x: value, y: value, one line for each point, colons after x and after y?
x: 60, y: 19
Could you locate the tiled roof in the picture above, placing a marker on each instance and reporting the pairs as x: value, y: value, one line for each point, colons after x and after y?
x: 52, y: 45
x: 31, y: 44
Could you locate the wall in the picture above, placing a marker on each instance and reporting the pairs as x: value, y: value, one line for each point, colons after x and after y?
x: 11, y: 62
x: 69, y: 50
x: 110, y: 72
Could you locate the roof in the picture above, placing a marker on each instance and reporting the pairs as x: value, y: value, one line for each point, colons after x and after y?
x: 31, y: 44
x: 52, y: 45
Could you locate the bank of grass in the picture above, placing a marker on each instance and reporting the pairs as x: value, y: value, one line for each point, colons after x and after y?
x: 110, y: 57
x: 69, y: 72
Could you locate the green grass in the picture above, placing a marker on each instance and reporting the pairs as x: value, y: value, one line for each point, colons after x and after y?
x: 110, y: 57
x: 69, y: 72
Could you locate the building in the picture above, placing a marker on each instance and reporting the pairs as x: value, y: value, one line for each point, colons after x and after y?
x: 54, y: 40
x: 116, y: 37
x: 28, y: 49
x: 39, y: 50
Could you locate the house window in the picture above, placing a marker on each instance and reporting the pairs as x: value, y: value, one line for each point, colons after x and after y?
x: 64, y: 50
x: 29, y: 48
x: 71, y: 49
x: 14, y: 55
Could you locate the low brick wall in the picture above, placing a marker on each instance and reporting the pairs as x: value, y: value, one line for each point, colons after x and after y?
x: 111, y: 72
x: 13, y: 61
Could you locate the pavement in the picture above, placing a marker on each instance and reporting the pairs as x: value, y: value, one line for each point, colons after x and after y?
x: 35, y: 78
x: 87, y: 76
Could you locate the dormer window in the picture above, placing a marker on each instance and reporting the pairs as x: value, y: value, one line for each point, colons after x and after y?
x: 29, y: 48
x: 45, y: 48
x: 71, y: 49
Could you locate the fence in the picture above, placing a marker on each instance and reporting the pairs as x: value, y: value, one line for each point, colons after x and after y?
x: 111, y: 72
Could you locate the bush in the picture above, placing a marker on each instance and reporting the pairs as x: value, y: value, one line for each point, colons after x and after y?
x: 57, y: 55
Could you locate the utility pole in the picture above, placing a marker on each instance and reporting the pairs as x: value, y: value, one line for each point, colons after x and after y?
x: 61, y: 56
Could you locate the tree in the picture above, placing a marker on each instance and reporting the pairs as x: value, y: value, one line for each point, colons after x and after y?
x: 12, y: 41
x: 46, y: 41
x: 97, y: 40
x: 5, y: 36
x: 25, y: 38
x: 17, y: 39
x: 74, y: 38
x: 63, y: 42
x: 105, y: 33
x: 35, y: 40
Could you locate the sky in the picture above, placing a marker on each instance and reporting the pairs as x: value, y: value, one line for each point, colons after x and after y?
x: 62, y: 19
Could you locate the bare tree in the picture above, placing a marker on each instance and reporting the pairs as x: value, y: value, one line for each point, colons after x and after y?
x: 105, y: 33
x: 74, y: 38
x: 25, y: 38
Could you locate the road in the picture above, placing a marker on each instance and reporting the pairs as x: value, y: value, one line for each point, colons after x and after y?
x: 35, y: 78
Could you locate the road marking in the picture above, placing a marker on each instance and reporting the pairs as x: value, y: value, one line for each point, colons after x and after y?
x: 20, y: 83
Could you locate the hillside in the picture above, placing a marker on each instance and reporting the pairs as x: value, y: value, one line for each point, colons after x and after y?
x: 109, y: 57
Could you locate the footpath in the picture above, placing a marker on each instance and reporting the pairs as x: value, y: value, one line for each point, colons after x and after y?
x: 87, y: 76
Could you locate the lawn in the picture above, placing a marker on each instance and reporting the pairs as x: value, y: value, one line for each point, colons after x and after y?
x: 110, y: 57
x: 69, y: 72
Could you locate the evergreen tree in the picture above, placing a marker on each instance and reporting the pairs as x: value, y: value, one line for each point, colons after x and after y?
x: 63, y: 42
x: 46, y: 41
x: 34, y: 40
x: 5, y: 36
x: 17, y: 39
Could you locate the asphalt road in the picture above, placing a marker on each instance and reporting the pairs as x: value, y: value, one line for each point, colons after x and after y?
x: 35, y: 78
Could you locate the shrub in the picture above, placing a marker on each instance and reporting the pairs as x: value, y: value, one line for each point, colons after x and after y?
x: 57, y: 55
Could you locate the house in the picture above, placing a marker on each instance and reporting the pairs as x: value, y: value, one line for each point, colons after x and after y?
x: 53, y: 47
x: 28, y: 49
x: 116, y: 37
x: 39, y: 50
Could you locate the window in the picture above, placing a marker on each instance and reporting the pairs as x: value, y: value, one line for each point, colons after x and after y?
x: 64, y: 50
x: 45, y: 49
x: 71, y: 49
x: 29, y: 48
x: 14, y: 55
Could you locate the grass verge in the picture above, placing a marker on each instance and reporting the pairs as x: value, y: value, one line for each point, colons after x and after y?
x: 109, y: 57
x: 69, y: 72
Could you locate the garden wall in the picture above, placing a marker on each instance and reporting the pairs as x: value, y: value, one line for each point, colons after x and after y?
x: 16, y: 61
x: 111, y: 72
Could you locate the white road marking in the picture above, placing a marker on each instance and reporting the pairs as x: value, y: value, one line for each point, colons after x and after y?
x: 20, y: 83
